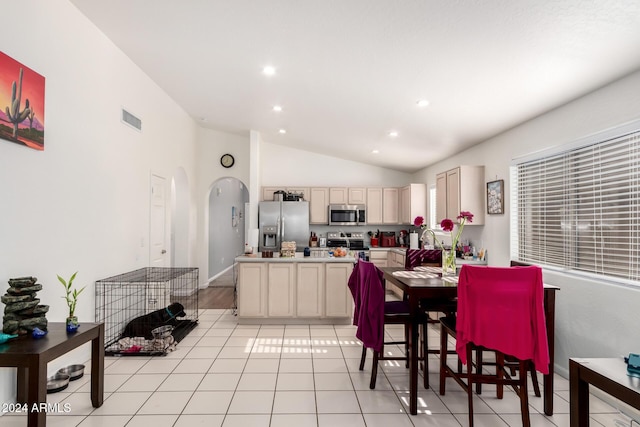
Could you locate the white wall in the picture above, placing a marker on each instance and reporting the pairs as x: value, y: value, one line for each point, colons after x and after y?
x: 287, y: 166
x: 593, y: 319
x: 83, y: 203
x: 211, y: 146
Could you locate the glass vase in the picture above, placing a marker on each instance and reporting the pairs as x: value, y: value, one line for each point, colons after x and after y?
x: 448, y: 262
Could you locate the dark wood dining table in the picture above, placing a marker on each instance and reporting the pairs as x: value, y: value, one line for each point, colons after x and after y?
x: 417, y: 288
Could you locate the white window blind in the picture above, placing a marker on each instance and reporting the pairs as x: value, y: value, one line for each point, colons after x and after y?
x: 580, y: 209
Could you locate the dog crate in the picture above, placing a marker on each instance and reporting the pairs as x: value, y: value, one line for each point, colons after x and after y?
x: 141, y: 294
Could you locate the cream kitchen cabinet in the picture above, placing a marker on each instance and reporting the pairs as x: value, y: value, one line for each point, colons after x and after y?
x: 461, y: 189
x: 310, y: 289
x: 338, y: 299
x: 374, y: 205
x: 281, y: 287
x: 338, y: 195
x: 267, y: 192
x: 357, y: 196
x: 413, y: 202
x: 319, y: 205
x: 395, y: 259
x: 390, y: 206
x: 252, y: 289
x: 382, y: 205
x: 379, y: 257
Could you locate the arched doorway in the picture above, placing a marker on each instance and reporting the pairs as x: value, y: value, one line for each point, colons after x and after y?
x: 227, y: 199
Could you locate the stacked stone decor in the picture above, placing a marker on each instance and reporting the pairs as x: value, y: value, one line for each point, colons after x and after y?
x: 23, y: 311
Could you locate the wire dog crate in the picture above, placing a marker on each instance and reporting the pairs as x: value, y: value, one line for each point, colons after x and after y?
x: 143, y: 297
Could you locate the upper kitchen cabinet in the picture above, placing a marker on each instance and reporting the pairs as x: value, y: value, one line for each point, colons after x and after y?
x: 303, y: 191
x: 460, y: 189
x: 374, y: 205
x: 382, y: 205
x: 319, y: 205
x: 339, y: 196
x: 390, y: 205
x: 413, y: 202
x: 357, y: 196
x: 267, y: 192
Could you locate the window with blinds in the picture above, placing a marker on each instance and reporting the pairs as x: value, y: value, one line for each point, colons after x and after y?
x: 580, y: 209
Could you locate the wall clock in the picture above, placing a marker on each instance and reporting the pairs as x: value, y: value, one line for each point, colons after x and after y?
x: 227, y: 160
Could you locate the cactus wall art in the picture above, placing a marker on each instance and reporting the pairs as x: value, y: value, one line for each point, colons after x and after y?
x: 21, y: 104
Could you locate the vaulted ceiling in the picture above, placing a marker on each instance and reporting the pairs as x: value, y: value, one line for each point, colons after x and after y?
x: 348, y: 73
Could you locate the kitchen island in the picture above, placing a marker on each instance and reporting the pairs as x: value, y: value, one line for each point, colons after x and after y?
x: 294, y: 290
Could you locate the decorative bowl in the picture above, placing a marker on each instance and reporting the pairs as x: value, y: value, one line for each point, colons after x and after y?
x: 72, y: 371
x: 58, y: 382
x: 162, y: 332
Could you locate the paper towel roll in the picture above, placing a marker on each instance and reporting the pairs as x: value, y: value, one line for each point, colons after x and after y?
x: 413, y: 241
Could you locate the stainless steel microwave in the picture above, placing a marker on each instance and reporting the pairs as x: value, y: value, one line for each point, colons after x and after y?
x: 347, y: 215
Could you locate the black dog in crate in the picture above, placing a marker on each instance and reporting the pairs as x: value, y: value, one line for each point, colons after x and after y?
x: 143, y: 325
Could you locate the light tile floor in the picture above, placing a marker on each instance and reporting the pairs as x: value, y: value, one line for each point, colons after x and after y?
x: 225, y: 374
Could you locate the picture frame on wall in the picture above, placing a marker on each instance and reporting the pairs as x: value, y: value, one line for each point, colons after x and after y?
x: 495, y: 197
x: 21, y: 104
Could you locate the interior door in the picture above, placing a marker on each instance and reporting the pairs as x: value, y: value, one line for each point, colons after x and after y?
x: 157, y: 223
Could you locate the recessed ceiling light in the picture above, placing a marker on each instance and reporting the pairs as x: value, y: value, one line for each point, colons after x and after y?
x: 282, y: 131
x: 375, y: 151
x: 269, y: 70
x: 422, y: 103
x: 277, y: 108
x: 393, y: 134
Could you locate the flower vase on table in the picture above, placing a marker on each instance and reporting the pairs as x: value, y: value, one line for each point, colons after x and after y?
x: 446, y: 225
x: 448, y: 262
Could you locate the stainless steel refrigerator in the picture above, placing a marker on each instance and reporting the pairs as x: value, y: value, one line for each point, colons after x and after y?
x: 283, y: 221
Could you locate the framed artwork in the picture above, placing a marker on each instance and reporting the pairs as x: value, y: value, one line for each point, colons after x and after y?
x: 21, y: 104
x: 495, y: 197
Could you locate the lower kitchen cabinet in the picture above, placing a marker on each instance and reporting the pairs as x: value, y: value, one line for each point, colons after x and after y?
x: 281, y: 287
x: 379, y: 257
x: 294, y: 290
x: 252, y: 289
x: 310, y: 290
x: 338, y: 299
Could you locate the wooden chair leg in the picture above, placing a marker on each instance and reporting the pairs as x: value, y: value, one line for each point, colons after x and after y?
x: 479, y: 369
x: 374, y: 370
x: 534, y: 379
x: 407, y: 333
x: 470, y: 383
x: 499, y: 374
x: 363, y: 357
x: 425, y: 351
x: 524, y: 398
x: 443, y: 358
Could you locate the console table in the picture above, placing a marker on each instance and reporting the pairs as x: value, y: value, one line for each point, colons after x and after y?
x: 31, y: 356
x: 609, y: 375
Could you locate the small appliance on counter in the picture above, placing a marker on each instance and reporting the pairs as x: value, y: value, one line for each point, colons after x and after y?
x: 403, y: 238
x: 388, y: 239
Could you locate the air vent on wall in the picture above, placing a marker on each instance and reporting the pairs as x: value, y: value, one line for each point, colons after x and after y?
x: 131, y: 120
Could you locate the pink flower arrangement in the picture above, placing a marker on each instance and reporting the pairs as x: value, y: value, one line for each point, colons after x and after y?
x: 446, y: 225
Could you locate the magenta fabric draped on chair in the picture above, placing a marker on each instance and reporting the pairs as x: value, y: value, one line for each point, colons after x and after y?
x: 368, y: 293
x: 502, y: 309
x: 415, y: 257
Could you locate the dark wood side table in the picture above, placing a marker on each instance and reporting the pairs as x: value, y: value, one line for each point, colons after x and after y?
x: 609, y: 375
x: 31, y: 356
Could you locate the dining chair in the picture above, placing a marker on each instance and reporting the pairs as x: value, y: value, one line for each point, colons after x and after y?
x: 372, y: 313
x: 500, y: 309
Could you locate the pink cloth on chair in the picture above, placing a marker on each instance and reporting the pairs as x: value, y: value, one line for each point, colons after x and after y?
x: 367, y: 289
x: 503, y: 309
